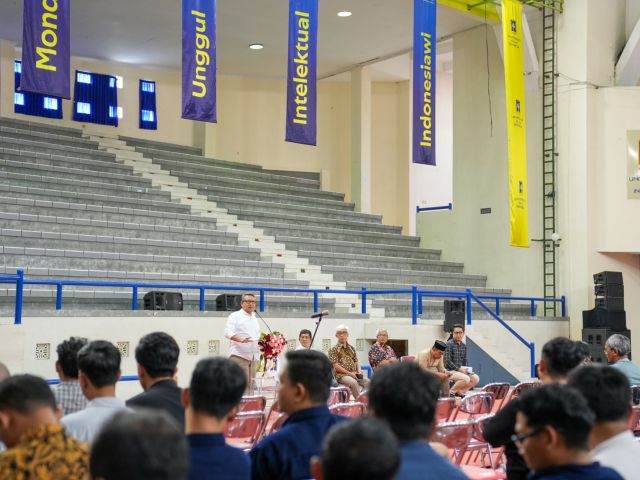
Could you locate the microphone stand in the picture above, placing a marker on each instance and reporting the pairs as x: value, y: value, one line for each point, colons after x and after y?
x: 316, y: 331
x: 260, y: 316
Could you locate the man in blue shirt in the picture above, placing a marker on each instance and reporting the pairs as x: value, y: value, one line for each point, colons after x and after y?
x: 405, y: 396
x: 303, y: 394
x: 617, y: 348
x: 552, y: 434
x: 211, y: 401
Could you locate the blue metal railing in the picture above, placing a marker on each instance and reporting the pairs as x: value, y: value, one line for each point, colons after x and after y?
x: 430, y: 209
x: 416, y: 296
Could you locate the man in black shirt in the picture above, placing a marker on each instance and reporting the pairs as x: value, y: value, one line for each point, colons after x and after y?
x: 559, y: 357
x: 157, y: 357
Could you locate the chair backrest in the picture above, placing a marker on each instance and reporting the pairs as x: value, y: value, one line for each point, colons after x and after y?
x: 246, y: 425
x: 277, y: 425
x: 352, y: 410
x: 338, y: 395
x: 635, y: 394
x: 454, y: 435
x: 252, y: 403
x: 478, y: 427
x: 475, y: 404
x: 444, y: 409
x: 363, y: 398
x: 500, y: 392
x: 634, y: 418
x: 520, y: 388
x: 407, y: 358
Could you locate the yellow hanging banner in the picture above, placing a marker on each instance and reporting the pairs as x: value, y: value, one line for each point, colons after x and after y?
x: 514, y: 80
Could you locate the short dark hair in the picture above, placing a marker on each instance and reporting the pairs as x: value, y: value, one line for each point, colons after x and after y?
x: 562, y: 355
x: 457, y: 325
x: 158, y: 353
x: 561, y: 407
x: 406, y: 396
x: 361, y: 449
x: 305, y: 331
x: 100, y: 362
x: 25, y: 394
x: 313, y: 370
x: 606, y: 390
x: 68, y: 355
x: 140, y: 446
x: 216, y: 386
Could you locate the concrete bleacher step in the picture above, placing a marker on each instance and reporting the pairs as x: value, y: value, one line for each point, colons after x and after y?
x: 379, y: 262
x: 169, y: 147
x: 401, y: 307
x: 162, y: 154
x: 55, y: 139
x: 357, y: 285
x: 41, y: 127
x: 47, y: 148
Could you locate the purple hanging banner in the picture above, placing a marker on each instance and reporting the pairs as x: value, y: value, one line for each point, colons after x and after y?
x: 301, y: 75
x: 46, y: 55
x: 199, y: 60
x: 424, y: 82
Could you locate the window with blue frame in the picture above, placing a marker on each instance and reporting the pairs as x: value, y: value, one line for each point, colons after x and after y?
x: 148, y: 114
x: 95, y: 99
x: 35, y: 104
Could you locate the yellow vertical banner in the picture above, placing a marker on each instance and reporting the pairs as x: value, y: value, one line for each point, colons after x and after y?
x: 516, y: 129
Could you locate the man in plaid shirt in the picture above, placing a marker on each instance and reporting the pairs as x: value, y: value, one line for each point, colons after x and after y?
x: 68, y: 393
x: 455, y: 358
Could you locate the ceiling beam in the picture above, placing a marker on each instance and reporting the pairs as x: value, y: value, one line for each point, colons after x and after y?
x: 628, y: 66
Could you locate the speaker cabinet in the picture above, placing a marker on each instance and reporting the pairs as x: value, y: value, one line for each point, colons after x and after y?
x: 228, y: 303
x: 607, y: 319
x: 163, y: 301
x: 596, y: 338
x: 454, y: 313
x: 608, y: 277
x: 609, y: 290
x: 610, y: 303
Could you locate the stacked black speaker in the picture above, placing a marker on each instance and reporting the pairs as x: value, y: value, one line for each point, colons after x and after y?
x: 454, y: 313
x: 228, y: 303
x: 608, y: 316
x: 163, y: 301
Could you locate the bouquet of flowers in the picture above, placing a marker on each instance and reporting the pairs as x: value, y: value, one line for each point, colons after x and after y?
x: 271, y: 345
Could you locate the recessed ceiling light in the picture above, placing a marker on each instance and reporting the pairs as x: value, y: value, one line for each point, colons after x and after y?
x: 256, y: 46
x: 344, y: 14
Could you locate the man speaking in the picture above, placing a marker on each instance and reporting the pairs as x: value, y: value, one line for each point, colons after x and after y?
x: 244, y: 332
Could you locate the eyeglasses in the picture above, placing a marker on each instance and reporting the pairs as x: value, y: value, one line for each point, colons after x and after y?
x: 383, y: 335
x: 250, y: 302
x: 518, y: 439
x: 458, y: 333
x: 342, y: 333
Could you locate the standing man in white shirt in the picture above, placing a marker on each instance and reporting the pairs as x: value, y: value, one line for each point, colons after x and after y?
x: 244, y: 332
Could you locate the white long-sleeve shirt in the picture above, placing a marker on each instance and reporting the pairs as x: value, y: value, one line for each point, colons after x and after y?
x: 244, y: 325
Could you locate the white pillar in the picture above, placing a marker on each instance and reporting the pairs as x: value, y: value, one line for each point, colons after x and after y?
x: 361, y: 138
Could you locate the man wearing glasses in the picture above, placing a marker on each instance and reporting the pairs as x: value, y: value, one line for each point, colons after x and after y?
x: 455, y: 361
x: 345, y: 363
x: 243, y: 331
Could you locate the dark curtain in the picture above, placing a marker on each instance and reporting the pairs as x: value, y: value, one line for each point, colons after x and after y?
x: 148, y: 103
x: 101, y: 95
x: 34, y: 102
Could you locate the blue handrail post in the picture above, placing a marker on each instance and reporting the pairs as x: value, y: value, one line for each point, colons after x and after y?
x: 19, y: 292
x: 420, y: 304
x: 364, y: 300
x: 468, y: 306
x: 262, y: 300
x: 134, y: 300
x: 533, y: 359
x: 315, y: 302
x: 59, y: 297
x: 497, y: 306
x: 202, y: 299
x: 414, y: 305
x: 564, y: 306
x: 533, y: 308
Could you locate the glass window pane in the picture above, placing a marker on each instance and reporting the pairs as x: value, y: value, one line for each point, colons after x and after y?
x: 18, y: 98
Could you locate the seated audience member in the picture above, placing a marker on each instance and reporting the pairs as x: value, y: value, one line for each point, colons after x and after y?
x: 559, y: 356
x: 362, y: 449
x: 68, y: 393
x: 381, y: 354
x: 157, y: 356
x: 302, y: 394
x: 586, y: 351
x: 211, y: 402
x: 99, y: 369
x: 431, y: 360
x: 552, y: 434
x: 146, y: 445
x: 617, y: 349
x: 455, y: 358
x: 405, y: 396
x: 345, y: 363
x: 305, y: 340
x: 39, y: 448
x: 607, y: 393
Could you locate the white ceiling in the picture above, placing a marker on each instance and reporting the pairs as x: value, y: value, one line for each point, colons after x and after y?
x: 146, y: 33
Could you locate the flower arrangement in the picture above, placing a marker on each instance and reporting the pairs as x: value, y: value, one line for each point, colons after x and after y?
x: 271, y: 345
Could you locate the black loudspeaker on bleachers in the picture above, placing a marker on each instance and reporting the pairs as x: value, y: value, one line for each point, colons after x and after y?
x: 163, y: 301
x: 454, y: 314
x: 228, y: 303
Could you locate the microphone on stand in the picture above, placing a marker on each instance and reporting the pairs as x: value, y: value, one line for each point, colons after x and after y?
x: 319, y: 317
x: 259, y: 316
x: 326, y: 312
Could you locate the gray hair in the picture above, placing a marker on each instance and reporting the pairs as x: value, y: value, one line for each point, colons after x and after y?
x: 620, y: 343
x: 381, y: 330
x: 245, y: 295
x: 342, y: 327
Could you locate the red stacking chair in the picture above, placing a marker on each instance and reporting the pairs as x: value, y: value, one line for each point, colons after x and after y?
x: 277, y: 425
x: 481, y: 446
x: 500, y: 392
x: 520, y: 388
x: 339, y: 395
x: 252, y: 403
x: 408, y: 358
x: 363, y: 398
x: 245, y: 429
x: 455, y: 436
x: 475, y: 404
x: 634, y: 418
x: 352, y: 410
x: 444, y: 409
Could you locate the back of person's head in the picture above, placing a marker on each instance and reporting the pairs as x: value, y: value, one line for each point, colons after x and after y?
x: 4, y: 372
x: 313, y: 370
x: 405, y: 396
x: 561, y: 407
x: 100, y: 362
x: 586, y: 352
x: 606, y: 391
x: 561, y: 355
x: 361, y: 449
x: 216, y: 386
x: 147, y: 445
x: 158, y: 353
x: 68, y: 355
x: 25, y: 394
x: 620, y: 343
